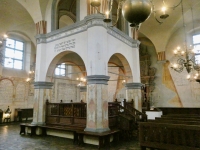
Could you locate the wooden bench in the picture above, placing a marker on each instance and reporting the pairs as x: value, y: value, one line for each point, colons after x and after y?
x: 23, y: 128
x: 71, y: 128
x: 103, y: 138
x: 169, y: 136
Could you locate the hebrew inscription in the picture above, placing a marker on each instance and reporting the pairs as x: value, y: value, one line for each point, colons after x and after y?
x: 66, y: 45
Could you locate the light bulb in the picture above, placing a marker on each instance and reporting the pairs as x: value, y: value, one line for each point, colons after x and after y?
x: 107, y: 14
x: 5, y: 36
x: 164, y: 9
x: 188, y: 76
x: 175, y: 51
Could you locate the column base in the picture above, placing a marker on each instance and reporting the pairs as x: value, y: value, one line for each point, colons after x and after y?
x: 97, y: 130
x: 38, y: 123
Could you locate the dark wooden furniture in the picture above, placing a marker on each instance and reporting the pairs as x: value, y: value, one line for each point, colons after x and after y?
x: 23, y: 113
x: 169, y: 136
x: 23, y: 128
x: 174, y: 110
x: 103, y: 138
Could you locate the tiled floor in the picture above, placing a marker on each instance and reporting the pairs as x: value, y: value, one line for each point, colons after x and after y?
x: 10, y: 139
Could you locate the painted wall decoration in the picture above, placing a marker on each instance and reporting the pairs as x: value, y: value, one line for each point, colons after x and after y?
x: 6, y: 91
x: 21, y: 92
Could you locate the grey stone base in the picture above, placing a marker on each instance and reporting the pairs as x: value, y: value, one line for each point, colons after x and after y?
x: 38, y: 123
x: 97, y: 130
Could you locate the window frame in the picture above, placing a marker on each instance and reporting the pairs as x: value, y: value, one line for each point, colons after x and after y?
x: 15, y: 49
x: 60, y: 68
x: 196, y: 44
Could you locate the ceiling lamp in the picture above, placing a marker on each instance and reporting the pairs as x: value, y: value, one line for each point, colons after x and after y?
x: 134, y: 11
x: 186, y: 56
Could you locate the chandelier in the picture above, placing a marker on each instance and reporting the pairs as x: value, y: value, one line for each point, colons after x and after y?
x: 186, y: 57
x: 134, y: 11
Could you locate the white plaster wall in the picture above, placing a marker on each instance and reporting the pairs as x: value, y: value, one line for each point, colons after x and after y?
x: 95, y: 46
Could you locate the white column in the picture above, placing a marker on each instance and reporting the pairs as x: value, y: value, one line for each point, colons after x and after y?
x: 42, y: 93
x: 97, y: 104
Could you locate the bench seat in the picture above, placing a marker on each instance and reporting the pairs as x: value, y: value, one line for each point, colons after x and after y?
x: 104, y: 137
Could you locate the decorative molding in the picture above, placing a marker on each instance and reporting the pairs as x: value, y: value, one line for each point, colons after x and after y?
x: 81, y: 26
x: 43, y: 85
x: 98, y: 79
x: 97, y: 130
x: 133, y: 85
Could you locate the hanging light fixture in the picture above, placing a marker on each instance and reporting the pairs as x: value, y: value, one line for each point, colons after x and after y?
x: 186, y: 56
x: 134, y: 11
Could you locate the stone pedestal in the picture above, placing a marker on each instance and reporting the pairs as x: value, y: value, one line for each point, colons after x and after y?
x: 133, y: 91
x: 97, y: 103
x: 42, y: 93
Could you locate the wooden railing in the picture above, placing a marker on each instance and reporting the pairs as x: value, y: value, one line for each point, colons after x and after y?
x: 169, y: 136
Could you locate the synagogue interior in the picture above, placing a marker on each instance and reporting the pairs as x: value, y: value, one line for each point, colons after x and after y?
x: 102, y: 71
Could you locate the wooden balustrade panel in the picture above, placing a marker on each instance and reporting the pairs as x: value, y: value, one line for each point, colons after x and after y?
x: 163, y: 135
x: 65, y: 120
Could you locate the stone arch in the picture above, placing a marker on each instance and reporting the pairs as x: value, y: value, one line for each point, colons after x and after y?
x: 55, y: 17
x: 63, y: 57
x: 121, y: 60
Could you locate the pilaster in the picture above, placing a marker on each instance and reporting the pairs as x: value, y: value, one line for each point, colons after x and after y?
x: 133, y: 91
x: 97, y: 103
x: 42, y: 93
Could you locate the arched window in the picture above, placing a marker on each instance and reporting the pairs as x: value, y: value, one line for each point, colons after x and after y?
x: 14, y: 54
x: 196, y: 43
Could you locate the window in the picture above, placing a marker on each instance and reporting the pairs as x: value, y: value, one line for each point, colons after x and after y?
x: 60, y: 70
x: 14, y: 52
x: 196, y: 43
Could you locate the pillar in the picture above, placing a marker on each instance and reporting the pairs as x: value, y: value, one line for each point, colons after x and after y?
x: 133, y: 91
x: 83, y: 93
x: 42, y: 93
x: 97, y: 103
x: 81, y: 9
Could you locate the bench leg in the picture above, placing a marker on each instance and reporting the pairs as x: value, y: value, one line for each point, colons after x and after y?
x: 100, y: 142
x: 33, y: 131
x: 107, y: 141
x: 80, y: 139
x: 143, y: 148
x: 75, y: 138
x: 22, y: 129
x: 44, y: 131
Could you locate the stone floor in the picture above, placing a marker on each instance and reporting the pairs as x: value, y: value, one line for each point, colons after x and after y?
x: 10, y: 139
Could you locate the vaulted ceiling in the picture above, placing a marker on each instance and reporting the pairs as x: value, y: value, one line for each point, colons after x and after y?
x: 21, y: 16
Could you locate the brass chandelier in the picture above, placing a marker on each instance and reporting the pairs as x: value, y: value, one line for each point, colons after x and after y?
x: 134, y: 11
x: 186, y: 58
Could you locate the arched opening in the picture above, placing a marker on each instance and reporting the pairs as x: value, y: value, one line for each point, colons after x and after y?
x: 68, y: 72
x: 120, y: 74
x: 65, y: 21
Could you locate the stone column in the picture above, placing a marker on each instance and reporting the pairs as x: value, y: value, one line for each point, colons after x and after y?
x: 42, y: 93
x: 83, y: 93
x: 81, y: 9
x: 97, y: 103
x: 133, y: 91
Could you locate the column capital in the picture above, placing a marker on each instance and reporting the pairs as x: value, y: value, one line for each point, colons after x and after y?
x: 43, y: 85
x: 97, y: 79
x: 133, y: 85
x: 83, y: 88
